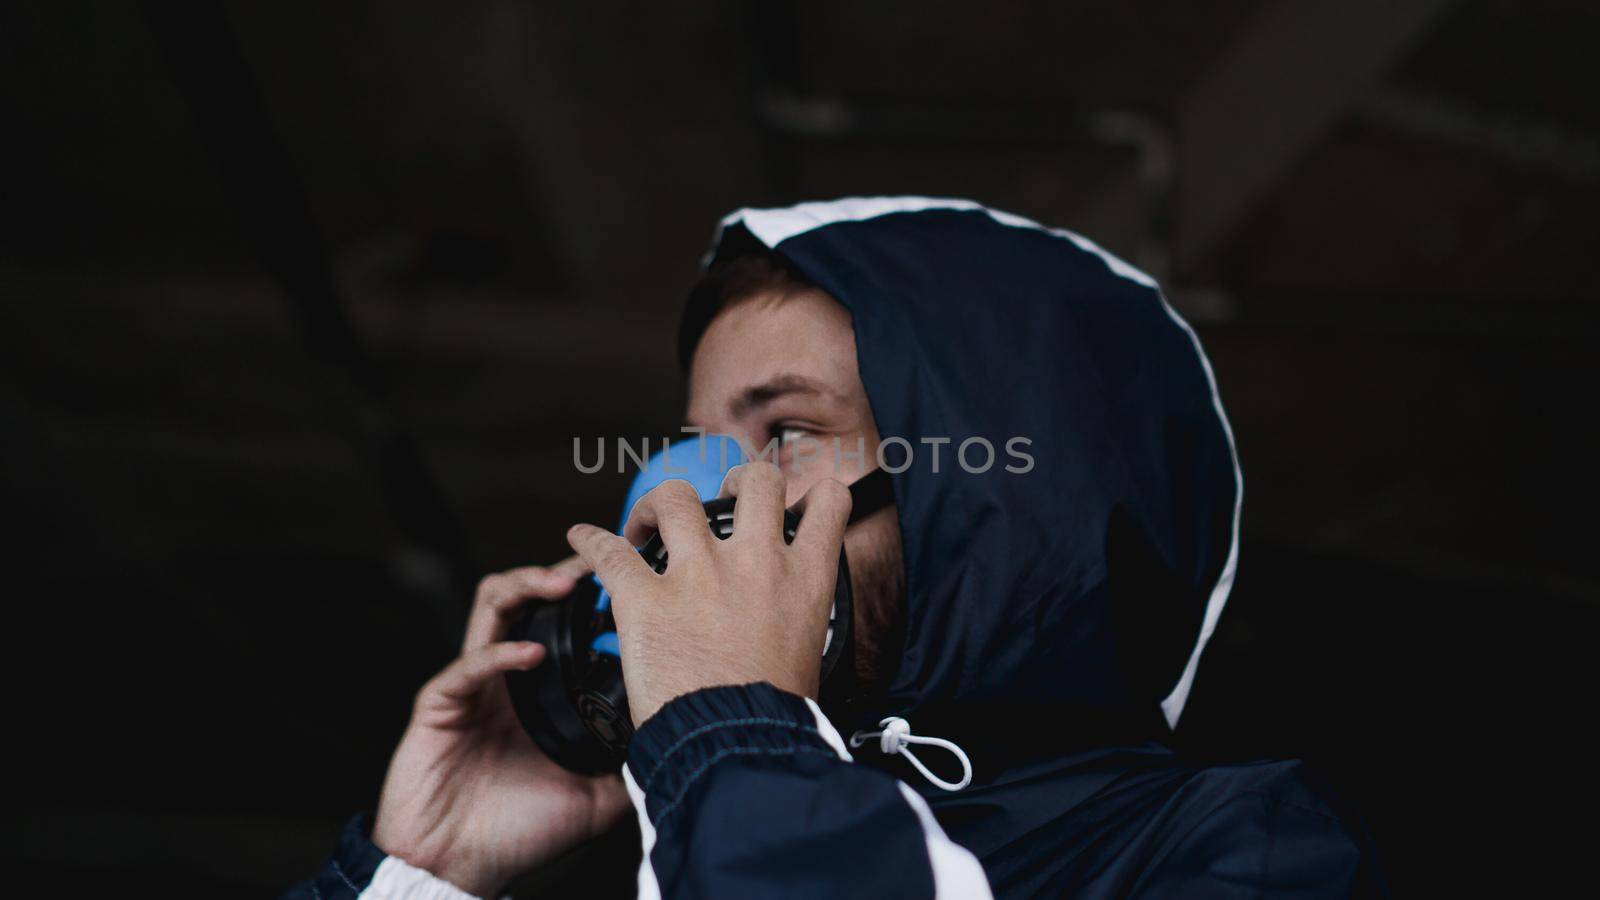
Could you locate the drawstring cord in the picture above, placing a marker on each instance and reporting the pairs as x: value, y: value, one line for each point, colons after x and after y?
x: 895, y: 738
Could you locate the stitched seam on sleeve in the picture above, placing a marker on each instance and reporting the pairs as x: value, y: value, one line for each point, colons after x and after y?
x: 724, y: 753
x: 1272, y: 843
x: 1319, y: 813
x: 339, y: 870
x: 713, y: 726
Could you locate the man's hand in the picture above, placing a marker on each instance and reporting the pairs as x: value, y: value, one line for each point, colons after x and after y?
x: 469, y: 797
x: 742, y: 610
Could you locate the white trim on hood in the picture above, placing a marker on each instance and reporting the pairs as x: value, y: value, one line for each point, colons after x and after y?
x: 1172, y: 706
x: 774, y: 226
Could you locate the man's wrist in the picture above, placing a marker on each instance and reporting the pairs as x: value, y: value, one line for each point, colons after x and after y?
x: 463, y: 871
x: 400, y: 880
x: 694, y: 732
x: 673, y: 685
x: 470, y: 879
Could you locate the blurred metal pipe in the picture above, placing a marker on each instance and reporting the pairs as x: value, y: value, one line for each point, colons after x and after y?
x: 1288, y: 78
x: 1145, y: 136
x: 1521, y: 141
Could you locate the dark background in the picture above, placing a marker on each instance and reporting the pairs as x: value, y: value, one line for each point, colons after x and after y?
x: 304, y: 303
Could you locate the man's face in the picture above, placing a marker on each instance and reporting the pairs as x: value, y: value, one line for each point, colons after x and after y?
x: 783, y: 367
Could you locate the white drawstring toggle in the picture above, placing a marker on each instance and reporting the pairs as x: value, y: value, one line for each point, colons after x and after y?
x: 895, y: 738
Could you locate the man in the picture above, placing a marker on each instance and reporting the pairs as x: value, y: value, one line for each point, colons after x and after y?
x: 1063, y: 539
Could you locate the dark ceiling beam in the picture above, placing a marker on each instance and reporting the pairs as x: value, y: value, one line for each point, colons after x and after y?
x: 779, y: 95
x: 228, y: 109
x: 576, y: 196
x: 1285, y: 82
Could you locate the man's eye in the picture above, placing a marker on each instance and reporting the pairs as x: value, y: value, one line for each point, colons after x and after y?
x: 788, y: 434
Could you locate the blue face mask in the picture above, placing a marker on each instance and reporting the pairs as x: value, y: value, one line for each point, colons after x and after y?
x: 703, y: 462
x: 574, y: 705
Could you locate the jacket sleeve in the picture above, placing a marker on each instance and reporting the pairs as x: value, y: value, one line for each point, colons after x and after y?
x: 1262, y: 830
x: 749, y: 791
x: 358, y: 868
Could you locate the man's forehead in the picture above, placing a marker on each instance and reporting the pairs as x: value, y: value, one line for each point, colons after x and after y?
x: 738, y: 395
x: 784, y: 384
x: 756, y: 353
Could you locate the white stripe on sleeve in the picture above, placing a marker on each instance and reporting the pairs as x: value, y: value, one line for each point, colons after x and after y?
x: 649, y: 888
x: 957, y: 874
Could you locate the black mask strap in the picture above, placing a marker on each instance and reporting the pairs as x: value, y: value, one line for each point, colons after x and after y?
x: 870, y: 493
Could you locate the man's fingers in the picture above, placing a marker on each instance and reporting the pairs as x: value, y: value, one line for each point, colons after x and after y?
x: 609, y: 795
x: 824, y: 513
x: 674, y: 509
x: 470, y: 671
x: 615, y: 562
x: 572, y: 566
x: 758, y: 507
x: 500, y: 595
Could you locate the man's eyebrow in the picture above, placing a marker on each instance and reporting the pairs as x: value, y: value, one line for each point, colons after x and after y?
x: 778, y: 386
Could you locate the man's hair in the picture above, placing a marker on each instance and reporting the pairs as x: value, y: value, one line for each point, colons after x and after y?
x: 728, y: 280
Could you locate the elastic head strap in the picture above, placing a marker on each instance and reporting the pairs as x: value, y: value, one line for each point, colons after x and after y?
x: 870, y: 493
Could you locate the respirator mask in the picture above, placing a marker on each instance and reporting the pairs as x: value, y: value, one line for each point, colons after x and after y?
x: 574, y: 705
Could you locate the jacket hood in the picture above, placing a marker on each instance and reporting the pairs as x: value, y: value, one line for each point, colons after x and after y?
x: 1082, y: 590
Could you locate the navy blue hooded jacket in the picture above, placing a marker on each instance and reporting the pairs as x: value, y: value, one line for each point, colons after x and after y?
x: 1055, y: 617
